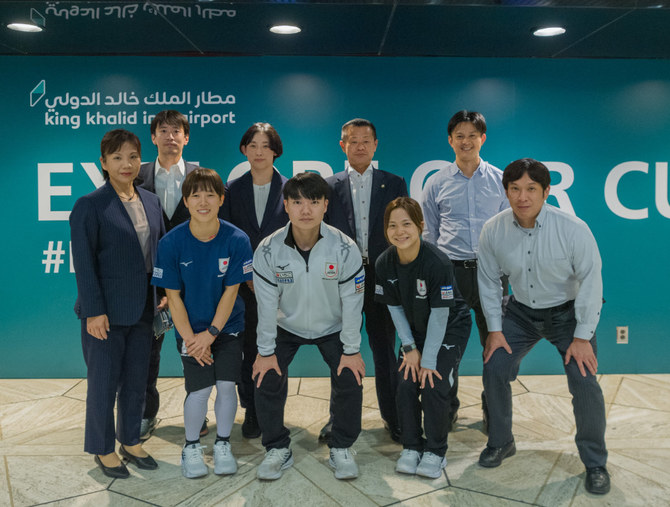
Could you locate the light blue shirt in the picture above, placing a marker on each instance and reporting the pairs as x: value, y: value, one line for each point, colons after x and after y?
x: 168, y: 185
x: 361, y: 192
x: 455, y: 208
x: 554, y: 262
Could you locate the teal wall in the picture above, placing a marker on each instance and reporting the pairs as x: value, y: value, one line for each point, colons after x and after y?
x: 586, y: 117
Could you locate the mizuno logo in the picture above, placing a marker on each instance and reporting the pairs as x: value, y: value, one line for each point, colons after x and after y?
x: 283, y: 267
x: 448, y: 346
x: 392, y: 281
x: 185, y: 264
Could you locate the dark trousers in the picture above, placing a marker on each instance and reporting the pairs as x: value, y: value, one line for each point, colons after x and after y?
x: 523, y: 327
x: 381, y: 338
x: 466, y: 280
x: 116, y: 366
x: 270, y: 397
x: 435, y: 401
x: 152, y: 397
x: 245, y: 387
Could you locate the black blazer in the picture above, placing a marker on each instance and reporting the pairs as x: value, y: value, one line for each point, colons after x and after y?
x: 146, y: 180
x: 385, y: 187
x: 108, y: 261
x: 238, y: 207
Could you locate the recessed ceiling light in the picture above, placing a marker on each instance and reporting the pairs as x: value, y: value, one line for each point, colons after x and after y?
x: 549, y: 31
x: 24, y: 27
x: 285, y: 29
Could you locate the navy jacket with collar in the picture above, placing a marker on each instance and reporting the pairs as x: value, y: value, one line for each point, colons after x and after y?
x: 385, y: 187
x: 238, y: 207
x: 109, y: 265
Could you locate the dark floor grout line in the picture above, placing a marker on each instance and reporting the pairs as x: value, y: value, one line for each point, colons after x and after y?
x: 9, y: 484
x: 75, y: 385
x: 553, y: 467
x: 497, y: 496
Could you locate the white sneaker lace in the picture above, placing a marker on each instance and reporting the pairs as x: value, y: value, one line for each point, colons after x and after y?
x: 345, y: 454
x: 193, y: 453
x: 432, y: 459
x: 222, y: 449
x: 276, y: 456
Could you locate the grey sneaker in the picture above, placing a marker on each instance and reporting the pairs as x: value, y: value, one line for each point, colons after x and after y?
x: 408, y: 461
x: 192, y: 461
x: 224, y: 461
x: 146, y: 427
x: 275, y: 461
x: 342, y: 460
x: 431, y: 465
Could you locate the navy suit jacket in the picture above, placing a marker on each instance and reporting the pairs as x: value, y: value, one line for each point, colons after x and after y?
x: 238, y: 207
x: 146, y: 180
x: 108, y: 261
x: 385, y: 187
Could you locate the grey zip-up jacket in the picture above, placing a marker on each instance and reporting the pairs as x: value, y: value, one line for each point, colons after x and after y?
x: 312, y: 299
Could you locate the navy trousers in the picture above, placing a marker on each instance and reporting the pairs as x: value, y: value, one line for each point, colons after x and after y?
x: 116, y: 367
x: 245, y: 387
x: 523, y: 327
x: 271, y: 395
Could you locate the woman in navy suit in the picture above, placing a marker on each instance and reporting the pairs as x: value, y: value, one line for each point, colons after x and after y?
x: 115, y: 231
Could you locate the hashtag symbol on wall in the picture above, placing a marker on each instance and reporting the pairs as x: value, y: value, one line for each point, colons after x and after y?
x: 53, y: 257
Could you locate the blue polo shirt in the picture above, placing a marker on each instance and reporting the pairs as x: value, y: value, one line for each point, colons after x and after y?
x: 201, y: 271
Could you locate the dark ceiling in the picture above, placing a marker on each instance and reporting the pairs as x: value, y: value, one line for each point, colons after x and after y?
x: 493, y: 28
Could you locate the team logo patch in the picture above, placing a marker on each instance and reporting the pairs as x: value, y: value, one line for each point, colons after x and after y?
x: 331, y: 269
x: 421, y: 287
x: 247, y: 267
x: 379, y: 290
x: 223, y: 265
x: 446, y: 292
x: 360, y: 284
x: 158, y: 272
x: 284, y: 276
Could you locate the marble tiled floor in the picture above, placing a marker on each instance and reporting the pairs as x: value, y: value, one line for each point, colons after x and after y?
x: 42, y: 463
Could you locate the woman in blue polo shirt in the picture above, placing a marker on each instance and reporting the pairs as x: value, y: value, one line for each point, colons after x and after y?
x: 416, y: 281
x: 201, y: 264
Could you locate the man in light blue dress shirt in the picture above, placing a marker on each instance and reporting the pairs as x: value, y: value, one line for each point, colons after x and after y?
x: 457, y: 200
x: 554, y: 268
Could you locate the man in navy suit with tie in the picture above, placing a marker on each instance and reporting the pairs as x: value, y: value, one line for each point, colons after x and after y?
x: 164, y: 176
x: 359, y: 196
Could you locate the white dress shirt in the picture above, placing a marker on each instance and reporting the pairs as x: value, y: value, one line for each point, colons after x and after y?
x: 167, y: 182
x: 361, y: 191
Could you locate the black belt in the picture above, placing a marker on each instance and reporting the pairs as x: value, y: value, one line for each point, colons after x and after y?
x: 467, y: 264
x: 552, y: 309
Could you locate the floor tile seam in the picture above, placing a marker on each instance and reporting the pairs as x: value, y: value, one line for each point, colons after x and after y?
x: 50, y: 502
x: 608, y: 407
x: 664, y: 485
x: 494, y: 496
x: 324, y: 491
x: 416, y: 496
x: 9, y: 484
x: 80, y: 380
x: 521, y: 384
x: 653, y: 409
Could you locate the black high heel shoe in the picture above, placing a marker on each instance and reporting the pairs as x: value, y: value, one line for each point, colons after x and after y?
x: 146, y: 463
x: 119, y: 472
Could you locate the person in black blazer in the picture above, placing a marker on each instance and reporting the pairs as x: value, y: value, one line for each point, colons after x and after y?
x: 170, y: 133
x: 254, y: 203
x: 359, y: 196
x: 115, y: 231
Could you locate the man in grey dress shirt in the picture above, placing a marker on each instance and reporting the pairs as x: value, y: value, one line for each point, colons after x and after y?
x: 554, y: 268
x: 457, y: 200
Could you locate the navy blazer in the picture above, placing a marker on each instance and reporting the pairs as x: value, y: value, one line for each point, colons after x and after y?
x: 108, y: 261
x: 385, y: 187
x: 146, y: 180
x: 238, y: 207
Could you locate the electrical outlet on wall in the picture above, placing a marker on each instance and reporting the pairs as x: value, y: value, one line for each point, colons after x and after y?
x: 622, y: 335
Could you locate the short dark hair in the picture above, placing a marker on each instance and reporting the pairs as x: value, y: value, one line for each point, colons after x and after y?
x: 202, y: 179
x: 268, y: 130
x: 113, y: 140
x: 357, y: 122
x: 465, y: 116
x: 307, y: 185
x: 172, y: 118
x: 536, y: 171
x: 412, y: 208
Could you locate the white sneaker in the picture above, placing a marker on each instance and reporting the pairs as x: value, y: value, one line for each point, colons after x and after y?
x: 275, y: 461
x: 431, y: 465
x: 408, y: 461
x: 193, y: 461
x: 224, y: 461
x: 342, y: 460
x: 147, y: 426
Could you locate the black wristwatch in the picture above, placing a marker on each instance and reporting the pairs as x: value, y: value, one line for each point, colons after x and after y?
x: 409, y: 348
x: 214, y: 331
